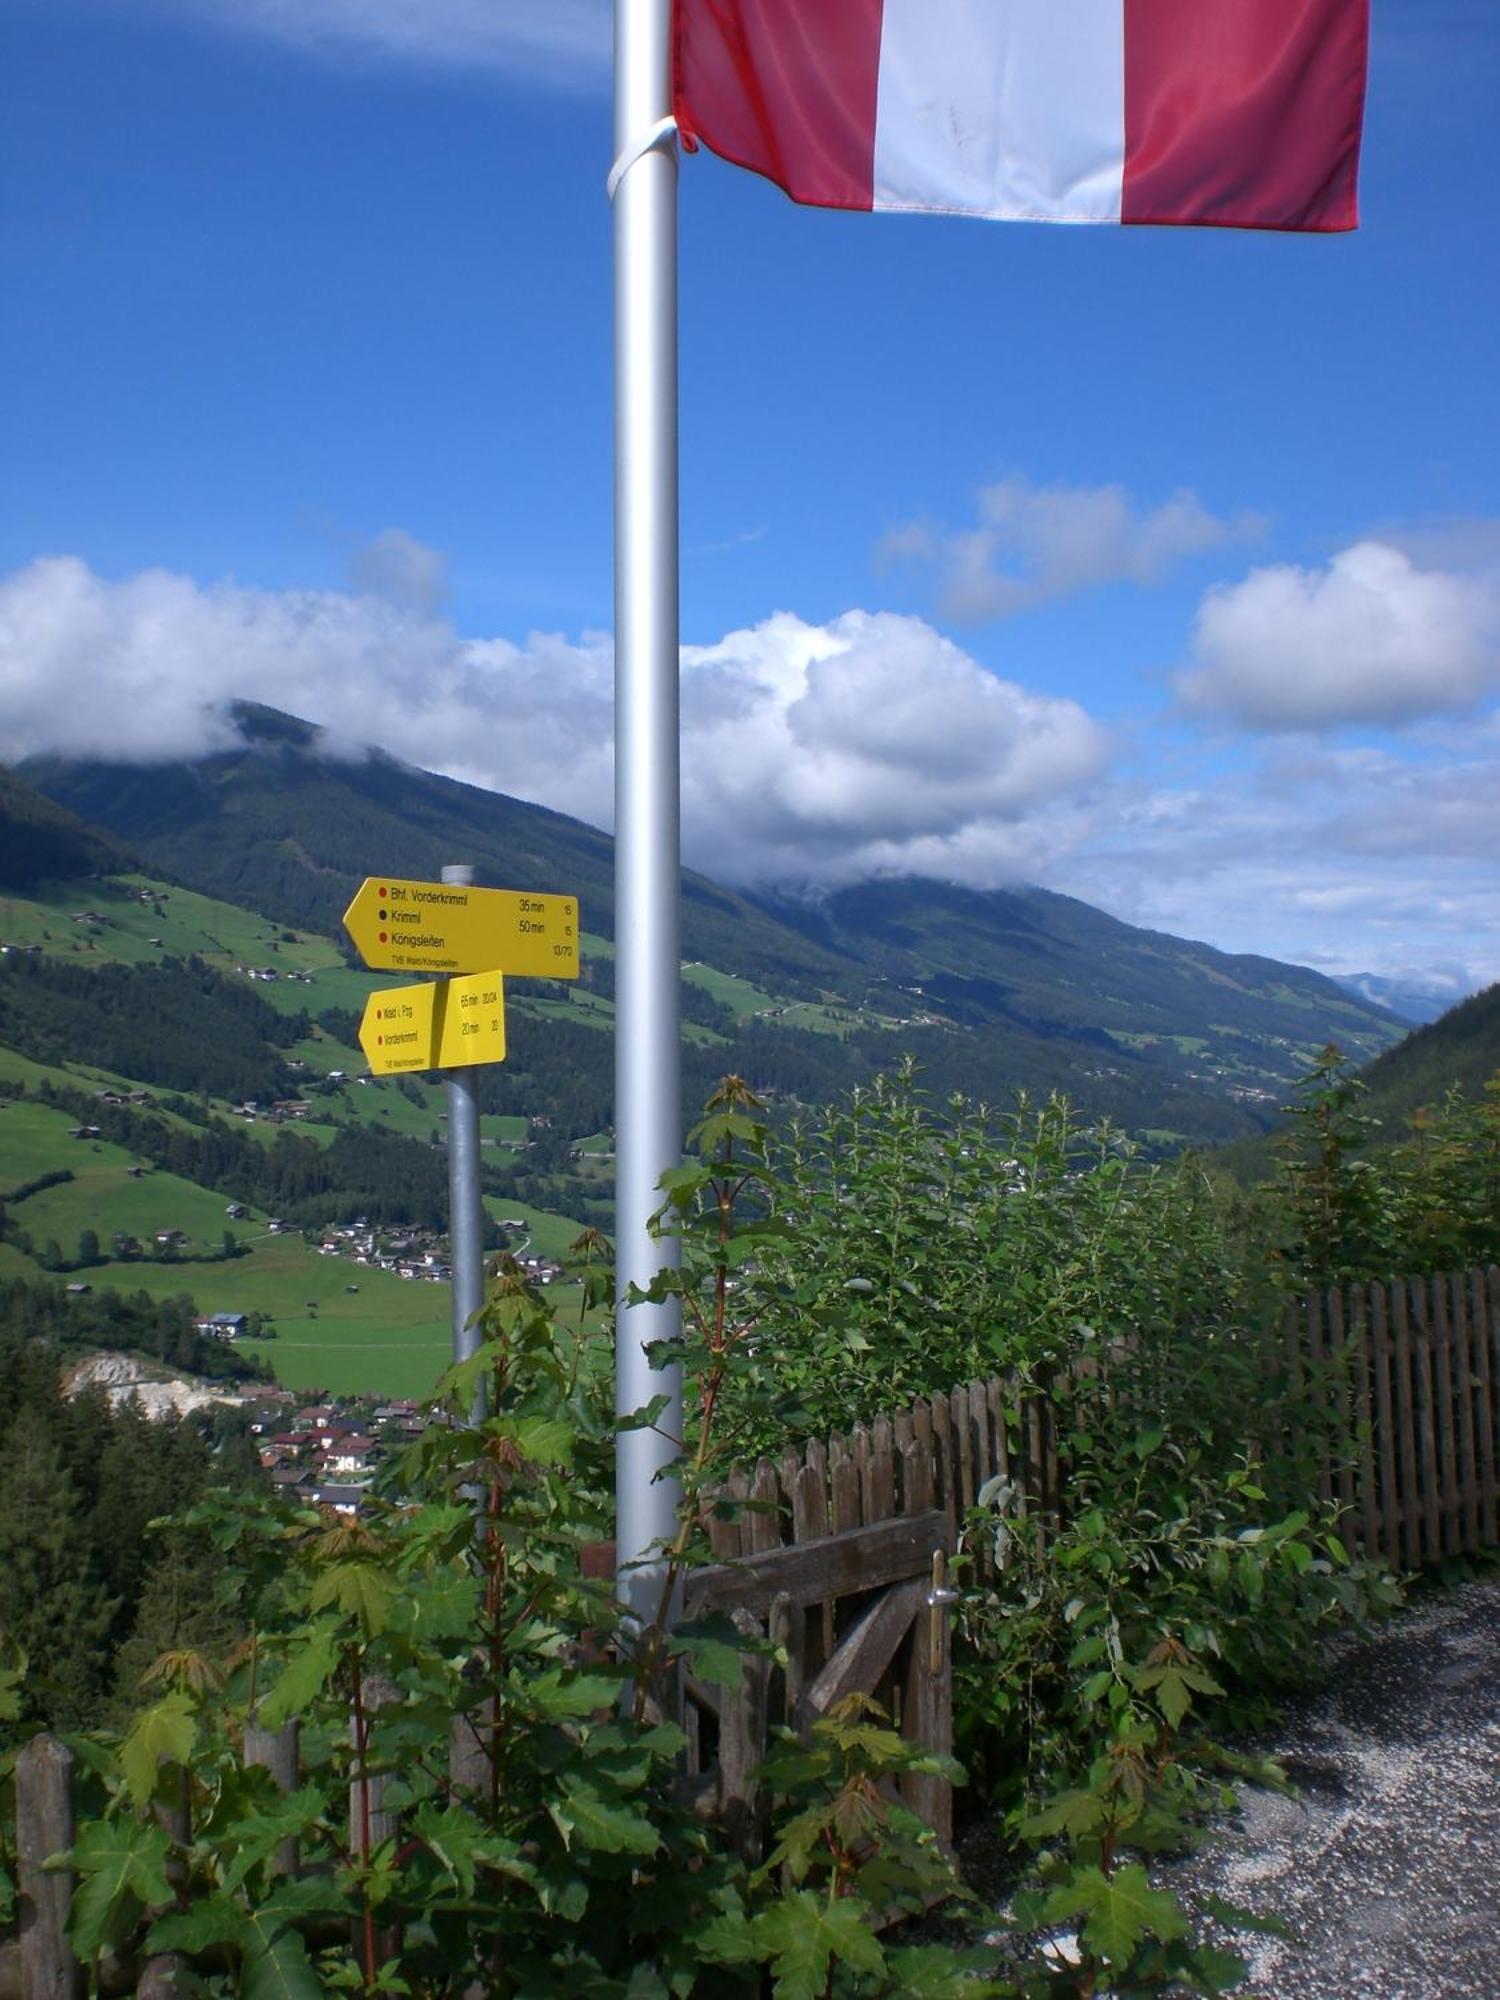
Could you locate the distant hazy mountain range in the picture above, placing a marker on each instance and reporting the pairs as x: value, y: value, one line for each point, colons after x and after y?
x: 992, y: 990
x: 1412, y: 1000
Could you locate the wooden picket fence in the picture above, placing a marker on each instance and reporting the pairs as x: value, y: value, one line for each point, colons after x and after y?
x: 838, y: 1552
x: 1410, y: 1373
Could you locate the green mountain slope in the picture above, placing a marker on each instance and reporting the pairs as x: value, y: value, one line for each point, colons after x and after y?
x: 1462, y: 1047
x: 41, y: 841
x: 281, y: 827
x: 993, y: 991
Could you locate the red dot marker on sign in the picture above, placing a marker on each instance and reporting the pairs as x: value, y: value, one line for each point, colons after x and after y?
x: 382, y: 937
x: 383, y: 894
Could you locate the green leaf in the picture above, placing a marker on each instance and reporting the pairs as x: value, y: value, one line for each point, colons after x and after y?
x: 936, y: 1972
x: 1075, y: 1813
x: 276, y: 1964
x: 1235, y: 1917
x: 714, y: 1649
x: 122, y: 1866
x: 302, y: 1678
x: 561, y: 1696
x: 1250, y: 1579
x: 1121, y: 1909
x: 462, y: 1845
x: 163, y: 1733
x: 607, y: 1826
x: 260, y: 1829
x: 1173, y: 1697
x: 730, y: 1939
x: 802, y: 1935
x: 1217, y: 1971
x: 562, y: 1893
x: 545, y: 1440
x: 360, y: 1590
x: 214, y: 1920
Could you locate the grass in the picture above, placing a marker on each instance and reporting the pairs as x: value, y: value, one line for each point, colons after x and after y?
x: 189, y: 925
x: 186, y: 924
x: 103, y: 1198
x: 820, y: 1017
x: 391, y: 1336
x: 743, y: 999
x: 748, y: 1002
x: 548, y: 1234
x: 34, y: 1140
x: 322, y: 1052
x: 583, y: 1009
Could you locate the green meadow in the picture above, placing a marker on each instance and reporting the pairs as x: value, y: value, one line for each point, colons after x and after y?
x: 340, y: 1326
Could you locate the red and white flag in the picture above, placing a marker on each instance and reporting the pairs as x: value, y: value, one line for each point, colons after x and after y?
x: 1241, y: 113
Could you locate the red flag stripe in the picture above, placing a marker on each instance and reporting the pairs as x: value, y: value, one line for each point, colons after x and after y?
x: 785, y: 87
x: 1244, y: 113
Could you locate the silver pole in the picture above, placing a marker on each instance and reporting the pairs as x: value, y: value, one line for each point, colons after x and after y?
x: 465, y: 1210
x: 648, y: 1087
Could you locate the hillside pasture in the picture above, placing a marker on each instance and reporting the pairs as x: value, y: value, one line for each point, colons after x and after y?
x: 137, y: 920
x: 34, y: 1141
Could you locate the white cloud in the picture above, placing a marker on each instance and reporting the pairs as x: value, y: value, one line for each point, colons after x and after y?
x: 396, y: 566
x: 564, y: 42
x: 869, y: 744
x: 1371, y: 638
x: 1352, y: 862
x: 815, y: 752
x: 1034, y: 544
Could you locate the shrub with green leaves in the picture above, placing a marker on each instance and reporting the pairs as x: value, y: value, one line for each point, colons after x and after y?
x: 918, y: 1250
x: 1350, y: 1200
x: 489, y: 1797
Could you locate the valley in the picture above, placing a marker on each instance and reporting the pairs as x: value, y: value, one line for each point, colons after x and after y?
x: 178, y: 1016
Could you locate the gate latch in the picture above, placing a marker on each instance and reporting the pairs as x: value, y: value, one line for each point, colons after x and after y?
x: 937, y: 1597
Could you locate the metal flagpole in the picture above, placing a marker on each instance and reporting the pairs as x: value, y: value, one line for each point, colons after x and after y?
x: 465, y: 1210
x: 648, y: 1110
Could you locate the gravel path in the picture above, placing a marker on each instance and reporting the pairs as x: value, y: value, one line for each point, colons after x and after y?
x: 1386, y: 1866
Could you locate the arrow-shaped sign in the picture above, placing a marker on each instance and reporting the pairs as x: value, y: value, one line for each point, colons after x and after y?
x: 444, y: 927
x: 446, y: 1025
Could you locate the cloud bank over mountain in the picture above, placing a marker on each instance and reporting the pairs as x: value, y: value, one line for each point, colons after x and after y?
x: 819, y: 752
x: 815, y: 754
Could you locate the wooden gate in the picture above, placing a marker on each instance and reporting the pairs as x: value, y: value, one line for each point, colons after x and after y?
x: 839, y: 1559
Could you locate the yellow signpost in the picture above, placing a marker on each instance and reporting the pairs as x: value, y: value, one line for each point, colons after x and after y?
x: 444, y: 927
x: 447, y: 1025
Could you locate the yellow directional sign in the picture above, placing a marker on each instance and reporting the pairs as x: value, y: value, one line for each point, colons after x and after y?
x: 445, y: 1025
x: 444, y: 927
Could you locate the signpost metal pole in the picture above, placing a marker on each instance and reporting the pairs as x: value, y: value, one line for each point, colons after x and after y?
x: 465, y: 1211
x: 648, y: 1112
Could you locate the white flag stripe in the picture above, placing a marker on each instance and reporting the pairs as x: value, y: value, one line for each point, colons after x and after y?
x: 1012, y: 109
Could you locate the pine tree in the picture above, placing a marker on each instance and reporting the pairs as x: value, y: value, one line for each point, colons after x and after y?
x: 52, y: 1603
x: 177, y: 1613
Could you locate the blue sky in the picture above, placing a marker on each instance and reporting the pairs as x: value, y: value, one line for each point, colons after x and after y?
x: 1161, y: 567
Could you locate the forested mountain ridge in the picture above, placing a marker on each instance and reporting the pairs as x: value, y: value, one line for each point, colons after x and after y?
x: 41, y: 841
x: 1461, y: 1048
x: 280, y: 827
x: 992, y: 990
